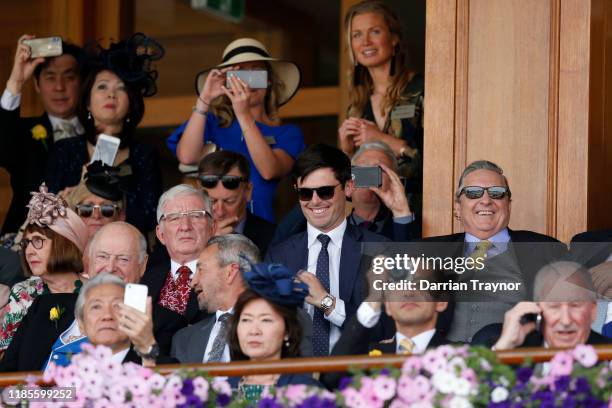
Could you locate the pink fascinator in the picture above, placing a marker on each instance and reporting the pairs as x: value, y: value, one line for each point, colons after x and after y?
x: 51, y: 211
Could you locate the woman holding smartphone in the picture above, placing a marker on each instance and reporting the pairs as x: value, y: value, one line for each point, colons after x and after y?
x: 245, y: 120
x: 385, y: 98
x: 112, y: 103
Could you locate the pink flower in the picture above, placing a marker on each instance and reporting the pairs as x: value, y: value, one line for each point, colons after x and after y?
x: 432, y: 362
x: 102, y: 353
x: 116, y: 394
x: 138, y: 386
x: 200, y: 388
x: 295, y: 393
x: 412, y: 365
x: 445, y: 351
x: 221, y: 386
x: 561, y: 364
x: 174, y: 383
x: 368, y: 393
x: 353, y: 399
x: 384, y: 387
x: 585, y: 355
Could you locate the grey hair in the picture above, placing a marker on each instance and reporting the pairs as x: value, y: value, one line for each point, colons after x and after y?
x: 479, y: 165
x: 179, y: 191
x: 98, y: 280
x: 236, y: 248
x: 381, y: 147
x: 142, y: 241
x: 571, y: 275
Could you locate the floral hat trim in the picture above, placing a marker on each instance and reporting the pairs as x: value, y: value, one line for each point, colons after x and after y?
x: 45, y: 207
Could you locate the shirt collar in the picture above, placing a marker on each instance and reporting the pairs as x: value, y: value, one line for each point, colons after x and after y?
x: 335, y: 235
x: 421, y: 340
x: 240, y: 226
x: 501, y: 237
x: 119, y: 356
x: 175, y: 265
x: 74, y: 121
x: 220, y: 313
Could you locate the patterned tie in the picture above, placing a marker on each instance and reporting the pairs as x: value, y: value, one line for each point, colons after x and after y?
x: 216, y: 352
x: 184, y: 274
x: 320, y: 326
x: 481, y: 249
x: 64, y: 130
x: 369, y: 225
x: 406, y: 346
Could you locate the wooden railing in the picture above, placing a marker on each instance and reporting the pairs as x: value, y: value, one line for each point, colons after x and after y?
x: 323, y: 364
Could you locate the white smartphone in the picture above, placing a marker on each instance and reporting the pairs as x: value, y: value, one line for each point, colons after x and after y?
x: 256, y: 79
x: 106, y: 149
x: 136, y: 296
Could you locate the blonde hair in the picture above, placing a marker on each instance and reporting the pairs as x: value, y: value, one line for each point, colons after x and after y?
x: 221, y: 107
x: 360, y: 82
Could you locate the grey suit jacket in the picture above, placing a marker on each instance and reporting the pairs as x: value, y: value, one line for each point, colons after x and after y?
x: 189, y: 343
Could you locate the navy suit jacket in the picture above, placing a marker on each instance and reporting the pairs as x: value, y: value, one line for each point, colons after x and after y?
x: 293, y: 253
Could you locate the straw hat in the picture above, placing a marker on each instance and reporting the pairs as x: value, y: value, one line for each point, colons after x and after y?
x: 249, y: 50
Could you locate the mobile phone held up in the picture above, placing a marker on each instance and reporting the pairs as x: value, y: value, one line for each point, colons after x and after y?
x: 44, y: 47
x: 106, y: 149
x: 136, y: 296
x: 364, y: 177
x: 256, y: 79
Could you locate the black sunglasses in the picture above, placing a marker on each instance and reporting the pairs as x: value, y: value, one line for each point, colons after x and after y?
x: 496, y: 193
x: 37, y: 242
x: 229, y: 182
x: 106, y: 210
x: 323, y: 192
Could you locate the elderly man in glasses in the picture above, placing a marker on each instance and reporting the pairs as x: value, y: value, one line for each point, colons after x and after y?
x: 224, y: 175
x: 184, y: 227
x: 330, y: 248
x: 505, y: 257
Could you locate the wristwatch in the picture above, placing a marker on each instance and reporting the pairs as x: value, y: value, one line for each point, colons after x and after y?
x: 152, y: 354
x: 327, y: 302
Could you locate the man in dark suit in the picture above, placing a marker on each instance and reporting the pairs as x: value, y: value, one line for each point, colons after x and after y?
x: 329, y: 251
x: 482, y: 204
x: 224, y: 175
x: 184, y: 227
x: 25, y: 142
x: 567, y: 304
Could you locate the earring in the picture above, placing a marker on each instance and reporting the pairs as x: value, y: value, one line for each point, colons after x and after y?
x: 457, y: 217
x: 88, y: 115
x: 127, y: 120
x: 287, y: 341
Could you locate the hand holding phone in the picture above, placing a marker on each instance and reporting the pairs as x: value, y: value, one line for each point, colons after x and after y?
x: 106, y: 149
x: 44, y: 47
x: 136, y: 296
x: 255, y: 79
x: 365, y: 177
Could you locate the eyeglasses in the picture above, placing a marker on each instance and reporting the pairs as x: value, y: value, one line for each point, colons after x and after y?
x: 37, y: 242
x: 106, y: 210
x: 229, y: 182
x: 194, y: 216
x: 323, y: 192
x: 496, y: 193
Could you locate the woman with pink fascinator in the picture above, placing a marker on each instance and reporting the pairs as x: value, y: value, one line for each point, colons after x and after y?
x: 51, y: 250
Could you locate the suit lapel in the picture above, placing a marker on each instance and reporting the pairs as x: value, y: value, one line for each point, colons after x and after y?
x: 198, y: 342
x: 350, y: 258
x: 299, y: 260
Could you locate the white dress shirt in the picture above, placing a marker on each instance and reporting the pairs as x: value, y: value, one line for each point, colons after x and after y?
x: 120, y: 356
x: 420, y: 341
x: 334, y: 248
x: 213, y: 334
x: 174, y: 266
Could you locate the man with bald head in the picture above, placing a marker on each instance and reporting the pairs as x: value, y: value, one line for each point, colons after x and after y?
x: 482, y: 205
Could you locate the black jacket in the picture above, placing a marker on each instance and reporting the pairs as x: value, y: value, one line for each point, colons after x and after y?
x: 259, y: 231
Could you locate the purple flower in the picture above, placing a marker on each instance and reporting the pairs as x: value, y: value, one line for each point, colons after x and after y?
x: 192, y: 401
x: 187, y: 388
x: 223, y: 400
x: 562, y: 383
x: 268, y: 402
x: 523, y: 374
x: 569, y: 402
x: 385, y: 371
x: 345, y: 382
x: 582, y: 386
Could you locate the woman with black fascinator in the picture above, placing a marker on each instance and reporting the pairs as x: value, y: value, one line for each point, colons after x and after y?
x: 112, y: 103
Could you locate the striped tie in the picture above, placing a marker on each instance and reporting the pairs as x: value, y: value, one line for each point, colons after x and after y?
x: 481, y: 250
x: 406, y: 346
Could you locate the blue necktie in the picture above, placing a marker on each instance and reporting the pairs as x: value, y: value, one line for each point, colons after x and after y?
x: 607, y: 330
x: 320, y: 326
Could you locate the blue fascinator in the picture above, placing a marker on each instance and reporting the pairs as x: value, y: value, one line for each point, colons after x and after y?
x: 276, y: 283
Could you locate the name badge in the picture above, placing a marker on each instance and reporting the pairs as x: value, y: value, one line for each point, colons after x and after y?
x: 403, y: 111
x: 270, y: 140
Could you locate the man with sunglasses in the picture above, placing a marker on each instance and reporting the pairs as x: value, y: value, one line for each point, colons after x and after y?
x: 224, y: 175
x: 184, y: 227
x: 329, y: 251
x: 482, y: 205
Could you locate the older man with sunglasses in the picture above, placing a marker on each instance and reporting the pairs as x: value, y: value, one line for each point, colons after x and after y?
x: 224, y: 175
x: 482, y: 205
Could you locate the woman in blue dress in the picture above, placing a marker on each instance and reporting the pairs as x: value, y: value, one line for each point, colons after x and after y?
x: 245, y: 120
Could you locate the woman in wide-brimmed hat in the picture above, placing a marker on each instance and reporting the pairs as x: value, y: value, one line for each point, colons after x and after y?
x: 245, y: 120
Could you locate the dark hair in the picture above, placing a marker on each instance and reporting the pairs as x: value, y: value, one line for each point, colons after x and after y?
x: 67, y: 49
x: 135, y: 111
x: 293, y: 328
x: 320, y: 156
x: 221, y: 162
x: 65, y: 256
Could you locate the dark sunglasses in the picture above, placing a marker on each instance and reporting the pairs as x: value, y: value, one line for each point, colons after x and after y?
x: 37, y: 242
x: 496, y: 193
x: 323, y: 192
x: 106, y: 210
x: 229, y: 182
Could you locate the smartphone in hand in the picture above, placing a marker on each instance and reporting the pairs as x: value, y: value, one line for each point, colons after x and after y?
x: 136, y: 296
x: 365, y: 177
x: 256, y: 79
x: 106, y: 149
x: 45, y: 47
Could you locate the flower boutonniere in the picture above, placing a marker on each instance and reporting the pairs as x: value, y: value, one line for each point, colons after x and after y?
x: 55, y: 314
x: 375, y: 353
x: 39, y: 132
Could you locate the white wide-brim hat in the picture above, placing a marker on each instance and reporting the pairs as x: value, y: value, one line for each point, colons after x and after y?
x: 249, y: 50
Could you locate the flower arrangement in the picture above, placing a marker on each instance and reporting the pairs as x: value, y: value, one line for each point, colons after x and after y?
x: 443, y: 377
